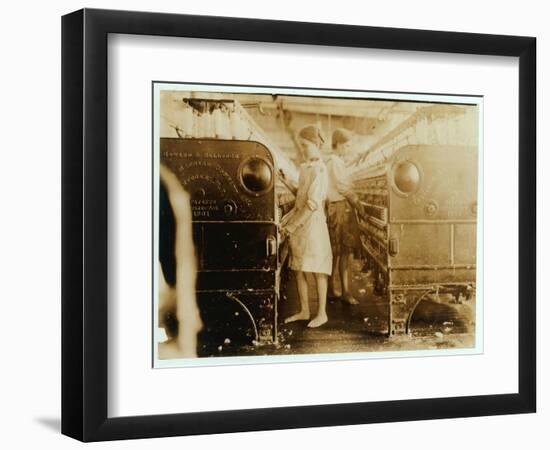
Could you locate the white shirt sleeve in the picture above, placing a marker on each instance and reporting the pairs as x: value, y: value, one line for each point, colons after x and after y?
x: 340, y: 176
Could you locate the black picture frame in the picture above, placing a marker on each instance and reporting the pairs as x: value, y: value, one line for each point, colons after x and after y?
x: 84, y: 224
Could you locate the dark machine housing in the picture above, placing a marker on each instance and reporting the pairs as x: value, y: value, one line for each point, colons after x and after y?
x: 419, y: 231
x: 235, y: 231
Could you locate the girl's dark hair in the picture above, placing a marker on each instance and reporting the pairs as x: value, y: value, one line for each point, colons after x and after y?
x: 311, y: 133
x: 341, y: 136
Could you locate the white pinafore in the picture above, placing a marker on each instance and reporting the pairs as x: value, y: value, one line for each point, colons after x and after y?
x: 306, y: 224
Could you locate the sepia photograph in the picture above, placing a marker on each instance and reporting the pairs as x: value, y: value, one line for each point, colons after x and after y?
x: 321, y: 220
x: 305, y: 224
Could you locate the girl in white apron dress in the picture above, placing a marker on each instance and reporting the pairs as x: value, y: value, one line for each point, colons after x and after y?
x: 307, y: 230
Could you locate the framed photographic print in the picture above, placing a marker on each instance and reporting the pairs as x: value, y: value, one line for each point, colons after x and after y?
x: 254, y: 209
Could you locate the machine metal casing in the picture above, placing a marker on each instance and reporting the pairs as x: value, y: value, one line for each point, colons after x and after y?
x: 235, y: 231
x: 419, y: 233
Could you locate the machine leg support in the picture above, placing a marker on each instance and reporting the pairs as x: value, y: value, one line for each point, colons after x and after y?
x: 402, y: 304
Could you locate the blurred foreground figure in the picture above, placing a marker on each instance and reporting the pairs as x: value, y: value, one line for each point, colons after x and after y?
x: 178, y: 311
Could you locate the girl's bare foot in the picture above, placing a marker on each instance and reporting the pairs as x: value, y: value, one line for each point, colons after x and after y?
x: 302, y: 315
x: 349, y: 299
x: 318, y: 320
x: 332, y: 291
